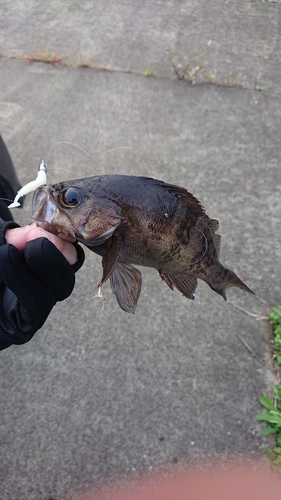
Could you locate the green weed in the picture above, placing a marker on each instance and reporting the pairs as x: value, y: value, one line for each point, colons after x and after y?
x: 193, y: 72
x: 230, y: 81
x: 261, y: 59
x: 263, y: 54
x: 149, y: 73
x: 84, y: 62
x: 273, y: 420
x: 275, y: 321
x: 46, y: 57
x: 273, y: 416
x: 188, y: 71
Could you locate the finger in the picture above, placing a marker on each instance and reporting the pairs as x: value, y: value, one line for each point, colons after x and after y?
x: 66, y: 248
x: 18, y: 237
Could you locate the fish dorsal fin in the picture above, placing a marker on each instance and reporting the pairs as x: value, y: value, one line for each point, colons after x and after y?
x: 125, y: 281
x: 110, y: 257
x: 217, y: 243
x: 213, y: 226
x: 181, y: 193
x: 186, y: 284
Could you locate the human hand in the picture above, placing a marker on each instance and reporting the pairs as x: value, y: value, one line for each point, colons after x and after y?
x: 37, y: 269
x: 218, y: 483
x: 19, y: 236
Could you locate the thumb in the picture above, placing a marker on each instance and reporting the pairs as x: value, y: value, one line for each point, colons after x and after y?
x: 18, y: 237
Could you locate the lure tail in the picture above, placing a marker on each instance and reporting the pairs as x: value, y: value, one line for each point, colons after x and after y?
x: 40, y: 180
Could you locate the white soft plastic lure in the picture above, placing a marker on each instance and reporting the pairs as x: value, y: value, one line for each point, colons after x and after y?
x: 40, y: 180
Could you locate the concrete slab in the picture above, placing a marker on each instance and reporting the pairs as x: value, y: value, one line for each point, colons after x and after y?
x: 236, y: 42
x: 96, y: 395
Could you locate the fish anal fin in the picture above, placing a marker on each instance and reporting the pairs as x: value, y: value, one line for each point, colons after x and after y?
x: 110, y: 257
x: 125, y: 281
x: 186, y: 284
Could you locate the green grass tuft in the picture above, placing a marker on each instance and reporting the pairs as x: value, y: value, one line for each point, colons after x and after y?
x: 273, y: 416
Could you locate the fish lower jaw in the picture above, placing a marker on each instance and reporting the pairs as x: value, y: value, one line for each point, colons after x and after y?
x: 49, y: 228
x: 66, y: 237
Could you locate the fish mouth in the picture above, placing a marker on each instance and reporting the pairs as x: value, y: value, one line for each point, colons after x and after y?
x: 50, y: 229
x: 43, y: 208
x: 44, y: 211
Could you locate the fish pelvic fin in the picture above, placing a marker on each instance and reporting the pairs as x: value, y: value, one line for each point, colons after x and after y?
x: 232, y: 280
x: 186, y: 284
x: 125, y: 281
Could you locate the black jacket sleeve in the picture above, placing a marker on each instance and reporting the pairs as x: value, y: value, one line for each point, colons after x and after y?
x: 31, y: 282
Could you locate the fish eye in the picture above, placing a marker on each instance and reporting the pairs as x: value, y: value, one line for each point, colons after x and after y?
x: 70, y: 197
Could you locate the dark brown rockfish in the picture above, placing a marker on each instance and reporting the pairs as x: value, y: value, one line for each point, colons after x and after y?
x: 138, y: 220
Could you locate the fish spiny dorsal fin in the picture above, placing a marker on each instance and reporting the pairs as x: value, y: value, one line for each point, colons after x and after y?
x: 181, y: 193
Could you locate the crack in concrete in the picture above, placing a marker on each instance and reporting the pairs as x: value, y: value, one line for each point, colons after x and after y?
x: 210, y: 78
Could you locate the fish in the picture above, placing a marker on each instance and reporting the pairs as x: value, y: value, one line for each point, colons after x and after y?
x: 132, y: 220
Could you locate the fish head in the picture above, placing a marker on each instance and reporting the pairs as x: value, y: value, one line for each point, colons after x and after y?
x: 71, y: 210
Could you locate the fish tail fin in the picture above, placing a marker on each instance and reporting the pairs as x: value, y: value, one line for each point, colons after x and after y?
x: 231, y: 280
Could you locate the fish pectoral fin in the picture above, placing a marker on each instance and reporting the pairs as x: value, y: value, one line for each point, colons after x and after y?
x: 185, y: 283
x: 125, y: 281
x: 110, y: 257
